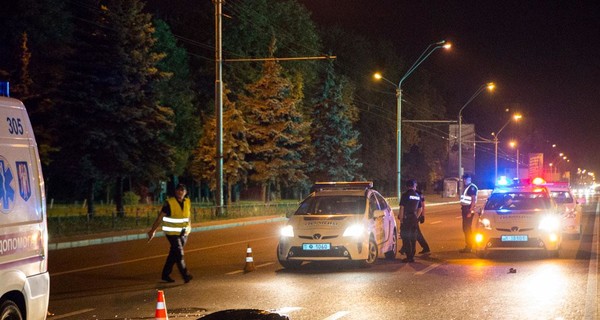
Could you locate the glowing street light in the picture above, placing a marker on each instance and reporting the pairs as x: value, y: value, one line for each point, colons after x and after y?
x: 513, y: 144
x: 378, y: 76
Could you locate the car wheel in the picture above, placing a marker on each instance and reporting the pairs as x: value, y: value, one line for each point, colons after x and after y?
x: 373, y: 253
x: 10, y: 311
x: 390, y: 255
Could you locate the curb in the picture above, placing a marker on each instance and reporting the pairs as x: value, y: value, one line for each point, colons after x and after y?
x: 144, y: 236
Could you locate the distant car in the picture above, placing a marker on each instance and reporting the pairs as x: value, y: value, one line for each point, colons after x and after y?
x: 568, y: 206
x: 523, y: 217
x: 348, y: 221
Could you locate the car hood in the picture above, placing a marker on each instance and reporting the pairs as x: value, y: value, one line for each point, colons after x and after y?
x: 310, y: 222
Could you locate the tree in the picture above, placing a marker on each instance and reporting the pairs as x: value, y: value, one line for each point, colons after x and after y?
x: 333, y: 137
x: 235, y: 149
x: 111, y: 114
x: 276, y: 130
x: 176, y: 93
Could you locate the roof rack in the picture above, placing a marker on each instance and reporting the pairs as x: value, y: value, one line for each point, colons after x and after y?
x: 343, y: 185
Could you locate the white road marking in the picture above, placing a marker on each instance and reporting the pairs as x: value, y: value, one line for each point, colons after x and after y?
x: 591, y: 297
x: 286, y: 310
x: 436, y: 222
x: 154, y: 257
x: 337, y: 315
x: 424, y: 271
x: 241, y: 271
x: 459, y: 217
x: 70, y: 314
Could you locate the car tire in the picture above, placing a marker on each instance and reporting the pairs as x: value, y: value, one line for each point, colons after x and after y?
x: 10, y: 311
x: 372, y: 254
x: 390, y: 255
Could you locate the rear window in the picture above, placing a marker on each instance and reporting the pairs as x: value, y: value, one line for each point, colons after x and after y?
x: 518, y: 201
x: 561, y: 196
x: 332, y: 205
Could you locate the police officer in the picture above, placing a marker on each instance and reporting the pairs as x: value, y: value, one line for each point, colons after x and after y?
x: 408, y: 214
x: 468, y: 199
x: 175, y: 219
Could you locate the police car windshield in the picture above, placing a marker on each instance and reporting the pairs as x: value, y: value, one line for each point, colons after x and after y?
x: 561, y: 196
x: 332, y: 205
x: 518, y: 201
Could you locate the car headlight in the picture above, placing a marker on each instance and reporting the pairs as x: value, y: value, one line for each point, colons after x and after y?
x: 354, y: 230
x: 287, y: 231
x: 549, y: 223
x: 485, y: 223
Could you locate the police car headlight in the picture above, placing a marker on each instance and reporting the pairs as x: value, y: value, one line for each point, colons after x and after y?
x: 485, y: 223
x: 354, y: 230
x: 549, y: 223
x: 287, y: 232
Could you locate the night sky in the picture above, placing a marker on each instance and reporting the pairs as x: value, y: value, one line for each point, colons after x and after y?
x: 543, y: 56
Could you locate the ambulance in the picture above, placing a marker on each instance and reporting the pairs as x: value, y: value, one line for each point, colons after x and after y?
x: 24, y: 279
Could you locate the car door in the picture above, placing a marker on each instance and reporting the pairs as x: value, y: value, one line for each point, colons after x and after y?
x: 378, y: 220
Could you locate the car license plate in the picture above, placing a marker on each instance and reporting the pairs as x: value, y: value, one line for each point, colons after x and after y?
x: 316, y: 246
x: 515, y: 238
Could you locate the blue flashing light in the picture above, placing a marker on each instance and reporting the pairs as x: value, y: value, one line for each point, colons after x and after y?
x: 4, y: 89
x: 503, y: 182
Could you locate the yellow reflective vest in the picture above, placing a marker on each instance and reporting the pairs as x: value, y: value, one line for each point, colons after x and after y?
x: 465, y: 199
x: 179, y: 220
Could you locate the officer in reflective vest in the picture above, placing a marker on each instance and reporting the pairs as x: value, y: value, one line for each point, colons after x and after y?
x: 175, y: 219
x: 408, y: 214
x: 468, y: 199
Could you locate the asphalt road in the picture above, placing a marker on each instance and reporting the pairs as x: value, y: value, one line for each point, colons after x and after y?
x: 120, y: 280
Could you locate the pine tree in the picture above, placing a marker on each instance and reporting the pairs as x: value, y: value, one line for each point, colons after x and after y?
x: 333, y: 137
x: 235, y: 149
x: 112, y: 115
x: 277, y: 131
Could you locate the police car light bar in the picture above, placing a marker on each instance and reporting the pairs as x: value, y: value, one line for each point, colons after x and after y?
x: 4, y: 89
x: 350, y: 185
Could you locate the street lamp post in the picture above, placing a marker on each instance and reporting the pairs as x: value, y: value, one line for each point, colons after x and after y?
x: 514, y: 145
x: 515, y: 117
x: 490, y: 86
x: 428, y: 51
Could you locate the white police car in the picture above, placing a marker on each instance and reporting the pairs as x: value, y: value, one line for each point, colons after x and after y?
x: 522, y: 217
x: 568, y: 206
x: 339, y: 221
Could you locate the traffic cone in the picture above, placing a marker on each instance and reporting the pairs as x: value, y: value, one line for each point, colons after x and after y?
x: 161, y: 307
x: 249, y: 260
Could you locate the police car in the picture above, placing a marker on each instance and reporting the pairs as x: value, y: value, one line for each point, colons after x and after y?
x: 519, y: 217
x: 568, y: 206
x: 347, y: 221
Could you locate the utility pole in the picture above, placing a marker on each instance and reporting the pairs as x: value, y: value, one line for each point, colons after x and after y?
x: 219, y: 104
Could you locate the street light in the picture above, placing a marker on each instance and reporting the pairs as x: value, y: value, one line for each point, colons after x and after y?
x: 515, y: 117
x: 490, y: 86
x: 428, y: 51
x: 513, y: 144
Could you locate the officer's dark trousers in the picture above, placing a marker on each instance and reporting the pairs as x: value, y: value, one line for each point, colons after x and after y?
x: 408, y: 232
x: 421, y: 240
x: 175, y: 256
x: 467, y: 225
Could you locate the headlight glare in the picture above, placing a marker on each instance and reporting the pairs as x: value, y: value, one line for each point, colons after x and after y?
x: 549, y: 223
x: 287, y: 231
x: 485, y: 223
x: 354, y: 230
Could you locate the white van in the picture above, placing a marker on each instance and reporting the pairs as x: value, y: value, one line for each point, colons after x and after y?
x: 24, y: 279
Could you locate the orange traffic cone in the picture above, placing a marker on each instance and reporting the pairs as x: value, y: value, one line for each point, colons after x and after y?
x: 161, y: 307
x: 249, y: 260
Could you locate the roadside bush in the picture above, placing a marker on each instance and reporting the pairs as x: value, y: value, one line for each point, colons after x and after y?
x: 131, y: 198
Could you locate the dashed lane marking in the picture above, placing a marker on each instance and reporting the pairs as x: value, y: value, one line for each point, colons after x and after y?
x: 70, y: 314
x: 436, y: 222
x: 337, y: 315
x: 424, y: 271
x: 241, y: 271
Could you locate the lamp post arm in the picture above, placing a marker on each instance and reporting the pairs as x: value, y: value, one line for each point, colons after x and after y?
x: 471, y: 99
x: 420, y: 60
x: 504, y: 126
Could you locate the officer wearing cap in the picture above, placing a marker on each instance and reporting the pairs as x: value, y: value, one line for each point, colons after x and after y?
x: 468, y: 199
x: 175, y: 219
x: 408, y: 214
